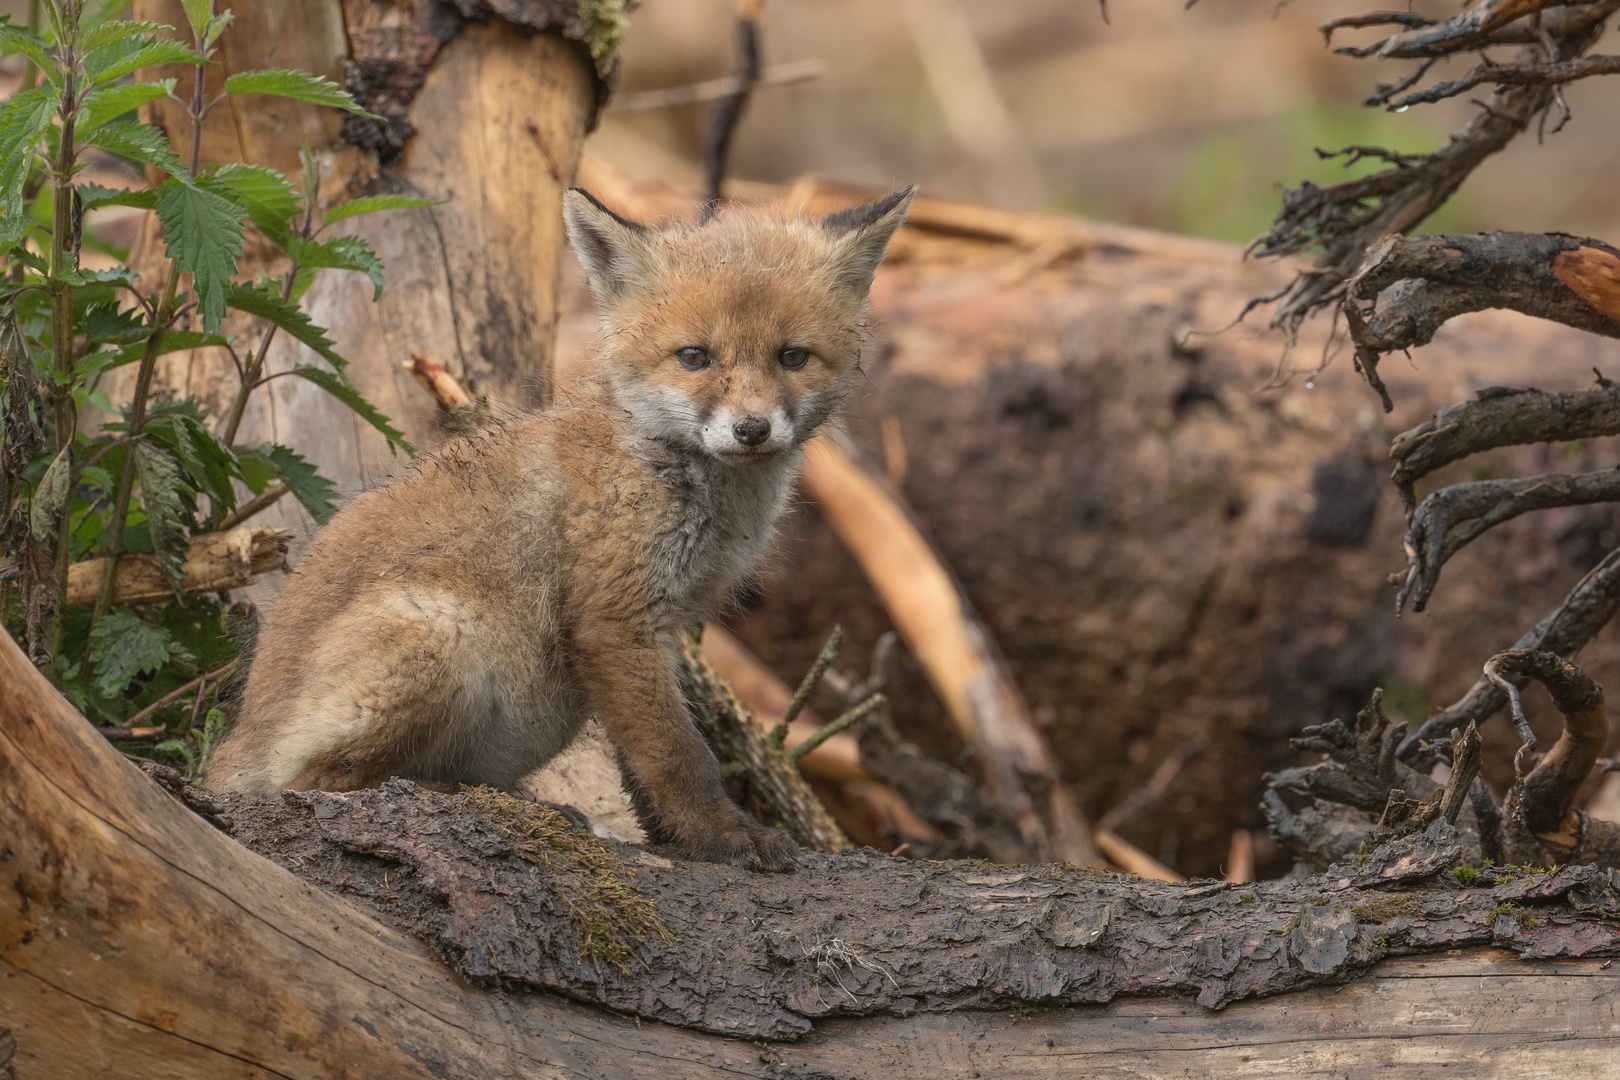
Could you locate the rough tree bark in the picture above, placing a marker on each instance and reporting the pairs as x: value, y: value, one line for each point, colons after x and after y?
x: 137, y: 940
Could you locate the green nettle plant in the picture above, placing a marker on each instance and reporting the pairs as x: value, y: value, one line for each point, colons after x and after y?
x: 163, y: 470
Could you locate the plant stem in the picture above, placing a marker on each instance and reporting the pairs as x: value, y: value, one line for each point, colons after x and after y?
x: 31, y: 74
x: 61, y: 292
x: 250, y: 378
x: 143, y: 388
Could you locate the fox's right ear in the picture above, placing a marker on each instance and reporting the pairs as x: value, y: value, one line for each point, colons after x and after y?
x: 615, y: 253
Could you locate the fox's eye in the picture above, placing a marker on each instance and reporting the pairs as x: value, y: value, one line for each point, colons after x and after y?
x: 794, y: 358
x: 692, y: 358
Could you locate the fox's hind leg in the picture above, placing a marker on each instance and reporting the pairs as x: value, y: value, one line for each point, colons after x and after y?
x: 370, y: 699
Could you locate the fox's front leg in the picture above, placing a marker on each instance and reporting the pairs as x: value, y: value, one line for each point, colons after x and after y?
x: 630, y: 671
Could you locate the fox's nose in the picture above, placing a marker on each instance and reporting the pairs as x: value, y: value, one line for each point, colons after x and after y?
x: 752, y: 430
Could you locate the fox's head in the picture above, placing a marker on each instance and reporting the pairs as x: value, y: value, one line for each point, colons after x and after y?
x: 737, y: 337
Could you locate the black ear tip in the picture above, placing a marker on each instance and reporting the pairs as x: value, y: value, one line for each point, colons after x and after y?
x: 859, y: 217
x: 603, y: 208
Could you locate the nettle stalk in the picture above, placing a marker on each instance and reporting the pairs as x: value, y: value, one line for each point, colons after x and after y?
x: 143, y: 381
x: 64, y: 241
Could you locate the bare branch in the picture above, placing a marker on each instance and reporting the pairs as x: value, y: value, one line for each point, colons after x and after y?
x: 1561, y: 278
x: 1501, y: 416
x: 1511, y: 75
x: 1438, y: 529
x: 1373, y: 18
x: 1467, y: 30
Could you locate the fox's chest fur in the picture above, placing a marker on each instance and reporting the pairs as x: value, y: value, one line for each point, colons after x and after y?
x: 713, y: 530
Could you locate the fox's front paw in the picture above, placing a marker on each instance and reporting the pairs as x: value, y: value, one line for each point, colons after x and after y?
x: 747, y: 843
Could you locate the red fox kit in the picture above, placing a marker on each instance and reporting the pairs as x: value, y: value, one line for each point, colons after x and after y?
x: 462, y: 624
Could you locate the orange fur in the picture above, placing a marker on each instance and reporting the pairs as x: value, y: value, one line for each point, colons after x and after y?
x: 461, y: 624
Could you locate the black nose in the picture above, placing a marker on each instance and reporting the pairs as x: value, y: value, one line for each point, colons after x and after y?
x: 752, y: 430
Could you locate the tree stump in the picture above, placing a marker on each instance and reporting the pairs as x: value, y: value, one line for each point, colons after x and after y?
x: 487, y: 115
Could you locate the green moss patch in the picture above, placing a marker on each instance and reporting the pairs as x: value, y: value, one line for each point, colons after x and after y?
x: 611, y: 917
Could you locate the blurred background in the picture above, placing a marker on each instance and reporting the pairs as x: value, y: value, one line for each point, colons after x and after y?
x: 1178, y: 119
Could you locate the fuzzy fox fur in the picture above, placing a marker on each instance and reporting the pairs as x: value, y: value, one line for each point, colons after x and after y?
x: 462, y: 624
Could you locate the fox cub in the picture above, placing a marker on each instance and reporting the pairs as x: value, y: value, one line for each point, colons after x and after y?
x: 462, y: 624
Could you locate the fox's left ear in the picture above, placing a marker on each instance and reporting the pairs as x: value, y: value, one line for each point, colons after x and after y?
x: 863, y: 234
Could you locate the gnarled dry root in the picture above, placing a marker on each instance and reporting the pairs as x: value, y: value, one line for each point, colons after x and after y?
x: 1403, y: 816
x: 1550, y: 276
x: 1361, y: 768
x: 1586, y: 610
x: 1348, y: 219
x: 1501, y: 416
x: 1537, y: 824
x: 1451, y: 518
x: 1540, y: 810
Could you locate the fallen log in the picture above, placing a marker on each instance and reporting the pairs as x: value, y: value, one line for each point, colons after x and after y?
x: 137, y: 940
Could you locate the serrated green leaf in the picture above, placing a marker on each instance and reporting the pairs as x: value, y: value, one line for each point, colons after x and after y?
x: 298, y: 85
x: 163, y: 499
x: 122, y: 646
x: 98, y: 476
x: 94, y: 196
x: 289, y: 317
x: 105, y: 323
x: 108, y: 103
x: 316, y: 492
x: 368, y: 204
x: 339, y: 253
x: 23, y: 122
x: 106, y: 32
x: 14, y: 39
x: 51, y: 495
x: 116, y: 275
x: 202, y: 226
x: 216, y: 27
x: 198, y: 14
x: 210, y: 464
x: 345, y: 392
x: 119, y: 58
x: 270, y: 198
x: 138, y: 142
x: 29, y: 259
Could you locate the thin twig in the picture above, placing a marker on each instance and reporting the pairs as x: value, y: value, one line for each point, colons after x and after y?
x: 781, y: 75
x: 829, y: 652
x: 1148, y: 795
x: 847, y: 720
x: 255, y: 505
x: 174, y: 695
